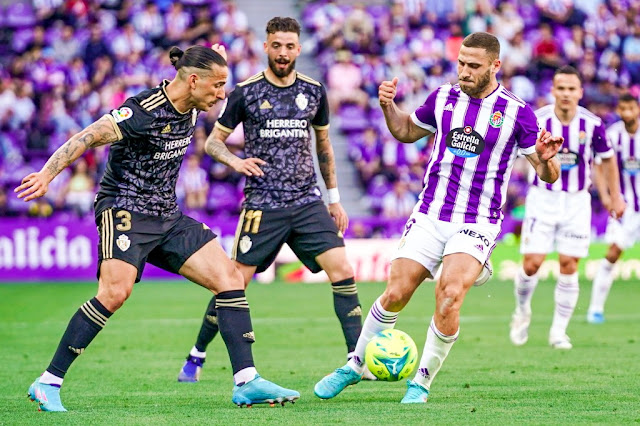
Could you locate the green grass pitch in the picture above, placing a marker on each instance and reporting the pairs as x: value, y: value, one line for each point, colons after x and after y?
x: 128, y: 374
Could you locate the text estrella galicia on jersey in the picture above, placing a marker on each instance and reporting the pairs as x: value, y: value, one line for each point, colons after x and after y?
x: 301, y: 101
x: 123, y: 242
x: 124, y: 113
x: 631, y: 166
x: 465, y: 142
x: 568, y: 159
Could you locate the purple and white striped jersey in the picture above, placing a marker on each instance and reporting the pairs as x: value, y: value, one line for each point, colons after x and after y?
x: 627, y: 148
x: 476, y: 143
x: 584, y: 137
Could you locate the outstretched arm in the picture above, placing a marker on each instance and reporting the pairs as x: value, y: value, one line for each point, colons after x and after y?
x: 326, y: 161
x: 101, y: 132
x: 399, y: 122
x: 217, y: 149
x: 544, y: 159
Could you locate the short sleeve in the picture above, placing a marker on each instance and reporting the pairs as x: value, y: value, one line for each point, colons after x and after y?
x: 321, y: 120
x: 600, y: 143
x: 526, y: 130
x: 425, y: 115
x: 232, y: 113
x: 130, y: 121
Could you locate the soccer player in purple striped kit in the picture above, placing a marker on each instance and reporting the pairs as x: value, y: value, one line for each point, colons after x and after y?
x: 621, y: 233
x: 560, y: 213
x: 479, y: 129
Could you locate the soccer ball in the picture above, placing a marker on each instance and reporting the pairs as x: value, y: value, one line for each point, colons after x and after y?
x: 391, y: 355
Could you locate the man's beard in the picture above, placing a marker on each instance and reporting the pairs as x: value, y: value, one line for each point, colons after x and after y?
x: 483, y: 83
x: 281, y: 73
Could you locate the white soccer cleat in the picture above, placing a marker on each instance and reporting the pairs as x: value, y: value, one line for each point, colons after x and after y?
x: 519, y: 333
x: 560, y: 342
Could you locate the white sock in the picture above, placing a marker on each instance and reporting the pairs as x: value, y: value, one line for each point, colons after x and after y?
x: 436, y: 349
x: 524, y: 287
x: 245, y: 375
x: 197, y: 353
x: 377, y: 320
x: 566, y: 297
x: 601, y: 286
x: 50, y: 379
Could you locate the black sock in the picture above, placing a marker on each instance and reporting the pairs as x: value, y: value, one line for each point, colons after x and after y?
x: 234, y: 321
x: 83, y: 327
x: 348, y: 310
x: 209, y: 327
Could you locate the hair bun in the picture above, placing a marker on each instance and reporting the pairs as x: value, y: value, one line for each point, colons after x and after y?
x: 174, y: 55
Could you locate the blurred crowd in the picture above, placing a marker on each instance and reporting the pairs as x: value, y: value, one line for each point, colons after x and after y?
x: 64, y: 63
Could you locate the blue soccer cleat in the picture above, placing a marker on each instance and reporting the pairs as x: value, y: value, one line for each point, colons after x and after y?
x: 595, y: 317
x: 47, y: 396
x: 261, y: 391
x: 416, y: 394
x: 335, y: 382
x: 191, y: 369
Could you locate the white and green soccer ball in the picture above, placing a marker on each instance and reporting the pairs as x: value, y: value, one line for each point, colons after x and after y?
x: 391, y: 355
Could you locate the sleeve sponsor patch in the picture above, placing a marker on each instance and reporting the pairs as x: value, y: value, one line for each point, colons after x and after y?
x: 122, y: 114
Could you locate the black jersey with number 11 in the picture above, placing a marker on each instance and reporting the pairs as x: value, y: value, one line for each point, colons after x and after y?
x: 277, y: 125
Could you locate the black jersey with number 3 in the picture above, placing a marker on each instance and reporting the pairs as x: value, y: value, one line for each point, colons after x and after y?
x: 277, y: 123
x: 143, y: 164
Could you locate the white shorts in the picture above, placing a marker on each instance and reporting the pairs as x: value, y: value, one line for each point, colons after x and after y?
x: 624, y: 232
x: 428, y: 240
x: 556, y: 218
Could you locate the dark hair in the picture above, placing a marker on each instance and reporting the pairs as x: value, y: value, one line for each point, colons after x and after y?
x: 285, y: 25
x: 627, y: 97
x: 568, y: 69
x: 195, y: 56
x: 483, y: 40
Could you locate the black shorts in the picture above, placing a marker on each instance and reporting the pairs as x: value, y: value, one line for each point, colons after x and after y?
x: 137, y: 238
x: 309, y: 230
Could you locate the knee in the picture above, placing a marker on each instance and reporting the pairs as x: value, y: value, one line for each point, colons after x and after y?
x: 341, y: 272
x: 568, y: 266
x: 394, y: 299
x: 230, y: 278
x: 531, y: 266
x: 114, y: 296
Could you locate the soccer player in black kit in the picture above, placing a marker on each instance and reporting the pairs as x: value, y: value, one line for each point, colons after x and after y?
x: 278, y: 108
x: 139, y: 221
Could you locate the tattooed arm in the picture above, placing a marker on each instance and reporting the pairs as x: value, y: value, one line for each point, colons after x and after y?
x: 101, y: 132
x: 327, y: 163
x: 218, y: 150
x: 326, y: 159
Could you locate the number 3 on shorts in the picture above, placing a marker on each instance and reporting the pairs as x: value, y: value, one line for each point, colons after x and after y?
x: 125, y: 221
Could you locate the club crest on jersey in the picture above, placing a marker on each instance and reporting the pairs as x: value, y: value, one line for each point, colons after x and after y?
x: 122, y: 114
x: 631, y: 166
x: 496, y: 119
x: 568, y: 159
x: 465, y: 142
x: 245, y: 244
x: 123, y: 242
x: 301, y: 101
x: 582, y: 137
